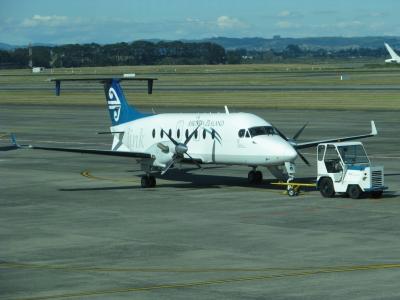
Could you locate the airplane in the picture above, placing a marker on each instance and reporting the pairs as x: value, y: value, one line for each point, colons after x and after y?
x: 159, y: 141
x: 394, y: 57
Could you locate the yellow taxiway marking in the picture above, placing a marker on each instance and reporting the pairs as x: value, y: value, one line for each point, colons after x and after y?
x: 297, y: 273
x: 294, y: 184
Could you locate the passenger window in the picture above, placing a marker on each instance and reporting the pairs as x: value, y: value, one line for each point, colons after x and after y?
x: 213, y: 134
x: 241, y: 133
x: 162, y: 133
x: 195, y: 134
x: 170, y: 132
x: 204, y: 134
x: 178, y: 133
x: 153, y: 133
x: 186, y: 133
x: 247, y: 134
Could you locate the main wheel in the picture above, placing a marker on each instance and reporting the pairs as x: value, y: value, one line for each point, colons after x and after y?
x: 251, y: 177
x: 326, y: 188
x: 259, y: 177
x: 152, y: 181
x: 354, y: 191
x: 145, y: 182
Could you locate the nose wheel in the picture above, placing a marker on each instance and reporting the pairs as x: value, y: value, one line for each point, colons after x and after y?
x: 148, y: 181
x: 255, y: 177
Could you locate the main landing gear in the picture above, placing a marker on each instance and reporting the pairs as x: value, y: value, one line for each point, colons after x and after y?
x: 148, y: 181
x: 255, y: 177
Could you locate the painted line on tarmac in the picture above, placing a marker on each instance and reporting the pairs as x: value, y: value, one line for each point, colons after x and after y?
x: 50, y: 267
x: 300, y: 273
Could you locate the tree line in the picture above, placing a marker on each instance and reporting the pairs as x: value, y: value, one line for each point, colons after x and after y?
x: 136, y: 53
x: 164, y: 53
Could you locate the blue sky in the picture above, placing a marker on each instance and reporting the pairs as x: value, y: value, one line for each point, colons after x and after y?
x: 79, y: 21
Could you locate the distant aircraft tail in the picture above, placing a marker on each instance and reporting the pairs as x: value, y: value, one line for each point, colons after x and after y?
x: 392, y: 53
x: 118, y: 108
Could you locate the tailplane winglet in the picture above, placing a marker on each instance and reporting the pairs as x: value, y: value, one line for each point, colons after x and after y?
x: 373, y: 128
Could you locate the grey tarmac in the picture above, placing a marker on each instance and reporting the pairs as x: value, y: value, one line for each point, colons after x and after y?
x: 80, y: 227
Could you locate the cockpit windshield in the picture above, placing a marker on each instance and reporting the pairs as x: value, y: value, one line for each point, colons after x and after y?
x: 353, y: 154
x: 262, y: 130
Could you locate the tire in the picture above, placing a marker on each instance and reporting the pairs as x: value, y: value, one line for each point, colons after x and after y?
x: 145, y: 182
x: 376, y: 194
x: 354, y: 191
x: 152, y: 181
x: 291, y: 192
x: 326, y: 188
x: 259, y: 177
x: 251, y: 177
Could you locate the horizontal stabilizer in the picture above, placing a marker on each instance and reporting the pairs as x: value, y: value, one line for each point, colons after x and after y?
x: 103, y: 80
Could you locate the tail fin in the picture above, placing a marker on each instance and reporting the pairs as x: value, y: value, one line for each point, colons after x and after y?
x: 391, y: 52
x: 120, y: 111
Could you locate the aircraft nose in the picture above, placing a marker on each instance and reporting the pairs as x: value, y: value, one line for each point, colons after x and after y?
x: 289, y: 153
x: 284, y: 152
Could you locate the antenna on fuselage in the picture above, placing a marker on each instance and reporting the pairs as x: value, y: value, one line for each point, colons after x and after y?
x: 226, y: 110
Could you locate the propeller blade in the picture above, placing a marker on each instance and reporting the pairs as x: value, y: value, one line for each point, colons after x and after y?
x: 299, y: 132
x: 190, y: 136
x: 170, y: 137
x: 303, y: 158
x: 195, y: 162
x: 168, y: 166
x: 281, y: 134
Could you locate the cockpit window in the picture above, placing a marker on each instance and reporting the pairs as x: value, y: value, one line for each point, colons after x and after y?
x: 241, y: 133
x: 262, y: 130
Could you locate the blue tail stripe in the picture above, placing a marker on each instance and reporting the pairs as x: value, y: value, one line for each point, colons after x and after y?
x: 118, y: 108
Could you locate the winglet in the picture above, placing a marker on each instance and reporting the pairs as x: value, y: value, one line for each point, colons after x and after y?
x: 14, y: 145
x: 373, y: 128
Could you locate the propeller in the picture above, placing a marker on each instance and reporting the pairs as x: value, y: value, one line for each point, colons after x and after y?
x: 292, y: 142
x: 180, y: 150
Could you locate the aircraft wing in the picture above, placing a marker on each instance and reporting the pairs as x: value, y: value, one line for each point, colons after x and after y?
x: 98, y: 152
x: 341, y: 139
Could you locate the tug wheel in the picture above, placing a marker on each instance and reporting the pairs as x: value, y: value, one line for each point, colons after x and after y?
x: 354, y: 191
x: 326, y: 188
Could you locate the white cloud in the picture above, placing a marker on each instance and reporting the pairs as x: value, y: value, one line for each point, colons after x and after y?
x: 284, y: 13
x: 225, y: 22
x: 287, y: 25
x: 348, y: 24
x: 50, y: 21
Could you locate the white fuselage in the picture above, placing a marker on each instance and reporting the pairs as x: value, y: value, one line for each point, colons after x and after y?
x: 217, y: 141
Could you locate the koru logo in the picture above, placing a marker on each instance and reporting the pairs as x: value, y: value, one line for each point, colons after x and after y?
x: 114, y: 104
